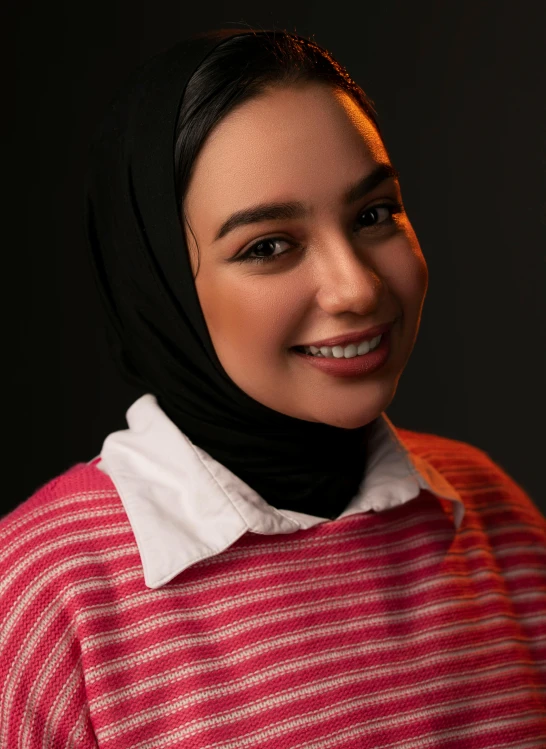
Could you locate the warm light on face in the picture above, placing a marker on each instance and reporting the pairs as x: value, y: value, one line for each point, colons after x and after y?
x: 280, y: 205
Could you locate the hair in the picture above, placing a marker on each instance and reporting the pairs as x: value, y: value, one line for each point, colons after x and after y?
x: 240, y: 68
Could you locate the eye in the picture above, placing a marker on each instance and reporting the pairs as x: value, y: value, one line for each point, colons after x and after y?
x: 378, y: 214
x: 264, y: 245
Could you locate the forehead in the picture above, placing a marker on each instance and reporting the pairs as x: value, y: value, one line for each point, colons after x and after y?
x: 305, y: 142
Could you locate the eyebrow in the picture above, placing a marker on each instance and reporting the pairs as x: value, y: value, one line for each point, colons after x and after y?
x: 297, y: 209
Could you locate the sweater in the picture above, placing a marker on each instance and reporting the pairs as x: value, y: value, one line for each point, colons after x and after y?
x: 401, y: 623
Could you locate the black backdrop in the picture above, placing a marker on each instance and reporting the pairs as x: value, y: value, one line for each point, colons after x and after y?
x: 460, y: 92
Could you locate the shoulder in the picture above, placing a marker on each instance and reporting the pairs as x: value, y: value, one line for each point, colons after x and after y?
x: 481, y: 480
x: 52, y: 549
x: 426, y: 443
x: 448, y: 454
x: 70, y: 523
x: 76, y: 495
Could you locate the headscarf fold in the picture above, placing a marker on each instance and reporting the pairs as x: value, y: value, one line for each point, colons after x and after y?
x: 155, y: 325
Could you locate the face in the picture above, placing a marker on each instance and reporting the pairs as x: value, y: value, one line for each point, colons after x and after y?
x: 335, y: 263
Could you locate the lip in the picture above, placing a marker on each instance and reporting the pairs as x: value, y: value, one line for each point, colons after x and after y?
x: 355, y: 366
x: 345, y: 340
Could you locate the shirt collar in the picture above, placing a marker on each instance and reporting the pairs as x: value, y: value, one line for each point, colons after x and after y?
x: 184, y: 506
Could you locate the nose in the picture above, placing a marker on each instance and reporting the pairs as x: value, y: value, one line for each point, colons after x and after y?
x: 347, y: 281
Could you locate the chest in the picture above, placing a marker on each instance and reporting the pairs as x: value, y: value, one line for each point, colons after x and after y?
x: 414, y: 640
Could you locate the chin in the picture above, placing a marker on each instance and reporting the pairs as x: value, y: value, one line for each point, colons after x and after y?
x: 349, y: 423
x: 352, y: 420
x: 346, y: 416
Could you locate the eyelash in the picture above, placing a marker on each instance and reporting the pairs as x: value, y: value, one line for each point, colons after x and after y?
x: 393, y: 209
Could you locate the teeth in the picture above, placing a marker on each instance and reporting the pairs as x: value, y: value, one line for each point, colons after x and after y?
x: 347, y: 352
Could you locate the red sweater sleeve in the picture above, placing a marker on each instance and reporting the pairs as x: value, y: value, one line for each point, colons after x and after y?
x: 42, y: 689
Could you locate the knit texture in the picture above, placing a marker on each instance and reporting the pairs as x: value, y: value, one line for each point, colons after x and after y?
x: 387, y: 629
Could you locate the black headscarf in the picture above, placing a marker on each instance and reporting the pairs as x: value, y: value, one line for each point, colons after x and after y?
x: 157, y: 330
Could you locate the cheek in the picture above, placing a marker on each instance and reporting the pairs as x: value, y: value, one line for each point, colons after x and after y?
x: 406, y: 271
x: 243, y: 317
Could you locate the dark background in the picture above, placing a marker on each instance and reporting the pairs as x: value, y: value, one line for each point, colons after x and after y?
x: 460, y: 90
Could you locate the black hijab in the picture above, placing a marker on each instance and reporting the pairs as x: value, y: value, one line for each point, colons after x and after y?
x: 156, y: 327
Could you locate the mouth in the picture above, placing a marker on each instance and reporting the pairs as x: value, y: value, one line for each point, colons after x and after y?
x: 349, y: 351
x: 349, y: 344
x: 349, y: 361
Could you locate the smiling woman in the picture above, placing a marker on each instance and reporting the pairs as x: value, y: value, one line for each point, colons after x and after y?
x: 262, y: 559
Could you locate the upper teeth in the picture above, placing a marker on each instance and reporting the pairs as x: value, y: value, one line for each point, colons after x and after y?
x: 347, y: 352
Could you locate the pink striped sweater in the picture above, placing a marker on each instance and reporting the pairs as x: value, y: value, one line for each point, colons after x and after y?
x: 392, y: 629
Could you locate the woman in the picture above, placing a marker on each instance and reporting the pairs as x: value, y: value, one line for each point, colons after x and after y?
x: 262, y: 559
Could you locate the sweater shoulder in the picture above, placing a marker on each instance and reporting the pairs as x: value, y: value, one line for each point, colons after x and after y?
x: 457, y: 457
x: 83, y: 484
x: 54, y: 557
x: 481, y: 480
x: 423, y: 443
x: 66, y: 528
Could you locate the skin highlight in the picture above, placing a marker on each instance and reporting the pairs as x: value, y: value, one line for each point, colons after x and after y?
x: 338, y: 268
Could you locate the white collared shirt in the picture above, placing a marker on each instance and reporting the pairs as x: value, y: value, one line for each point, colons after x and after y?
x: 184, y: 506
